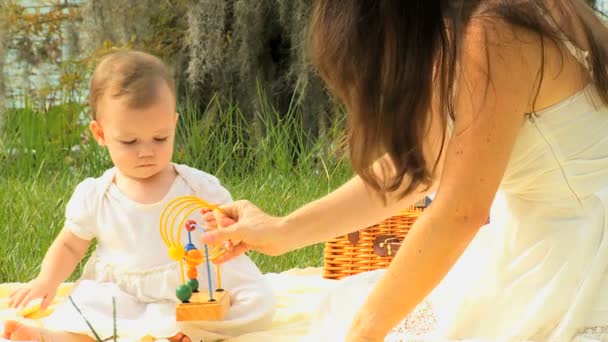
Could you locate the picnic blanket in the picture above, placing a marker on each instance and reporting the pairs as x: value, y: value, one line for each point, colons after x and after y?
x: 298, y: 294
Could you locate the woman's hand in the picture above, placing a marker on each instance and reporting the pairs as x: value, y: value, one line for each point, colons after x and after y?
x: 37, y: 288
x: 244, y: 227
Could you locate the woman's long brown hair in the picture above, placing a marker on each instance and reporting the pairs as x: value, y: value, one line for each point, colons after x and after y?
x: 383, y: 59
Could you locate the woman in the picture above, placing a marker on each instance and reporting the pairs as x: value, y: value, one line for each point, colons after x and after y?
x: 463, y: 98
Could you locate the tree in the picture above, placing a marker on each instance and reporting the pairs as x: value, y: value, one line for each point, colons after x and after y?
x: 250, y: 52
x: 238, y: 47
x: 35, y: 36
x: 158, y: 27
x: 235, y: 48
x: 3, y: 31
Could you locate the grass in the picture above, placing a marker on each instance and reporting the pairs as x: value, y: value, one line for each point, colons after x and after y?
x: 44, y: 155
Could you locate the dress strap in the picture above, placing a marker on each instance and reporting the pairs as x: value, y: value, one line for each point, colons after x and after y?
x: 581, y: 55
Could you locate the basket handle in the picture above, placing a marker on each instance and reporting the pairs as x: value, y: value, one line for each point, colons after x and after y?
x: 386, y: 245
x: 353, y: 238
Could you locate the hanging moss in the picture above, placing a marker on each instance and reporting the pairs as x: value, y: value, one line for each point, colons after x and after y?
x: 155, y: 26
x: 239, y: 47
x: 317, y: 108
x: 251, y: 52
x: 3, y: 31
x: 226, y: 40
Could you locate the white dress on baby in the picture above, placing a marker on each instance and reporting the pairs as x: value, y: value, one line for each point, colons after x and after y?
x: 131, y: 264
x: 539, y: 271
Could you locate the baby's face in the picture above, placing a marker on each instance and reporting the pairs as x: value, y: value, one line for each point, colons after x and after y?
x: 140, y: 141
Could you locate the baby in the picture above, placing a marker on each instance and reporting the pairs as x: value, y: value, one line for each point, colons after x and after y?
x: 133, y: 103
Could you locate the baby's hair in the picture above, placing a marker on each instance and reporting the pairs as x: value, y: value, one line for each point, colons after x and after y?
x: 134, y: 75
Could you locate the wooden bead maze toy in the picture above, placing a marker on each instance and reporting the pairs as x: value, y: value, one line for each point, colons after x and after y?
x: 195, y: 305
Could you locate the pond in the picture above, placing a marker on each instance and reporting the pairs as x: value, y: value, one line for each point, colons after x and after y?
x: 21, y: 76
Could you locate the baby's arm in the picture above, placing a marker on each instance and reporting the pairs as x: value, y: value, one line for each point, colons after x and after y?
x: 62, y: 257
x: 71, y: 245
x: 66, y: 251
x: 58, y: 264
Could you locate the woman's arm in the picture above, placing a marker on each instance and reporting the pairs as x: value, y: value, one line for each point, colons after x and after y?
x: 347, y: 209
x: 489, y: 116
x: 351, y: 207
x: 354, y: 205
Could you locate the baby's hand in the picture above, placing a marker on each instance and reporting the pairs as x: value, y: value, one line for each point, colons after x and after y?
x: 37, y: 288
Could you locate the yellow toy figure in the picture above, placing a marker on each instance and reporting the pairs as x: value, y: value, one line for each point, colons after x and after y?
x: 195, y: 305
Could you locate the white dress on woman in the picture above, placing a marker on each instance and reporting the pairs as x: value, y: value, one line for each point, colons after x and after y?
x: 539, y: 271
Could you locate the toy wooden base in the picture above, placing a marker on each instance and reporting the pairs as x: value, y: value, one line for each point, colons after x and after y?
x: 201, y: 309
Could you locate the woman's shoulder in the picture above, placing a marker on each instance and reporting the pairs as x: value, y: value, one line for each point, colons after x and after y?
x: 513, y: 61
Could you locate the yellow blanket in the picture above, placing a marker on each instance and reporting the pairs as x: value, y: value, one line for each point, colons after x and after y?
x: 298, y: 293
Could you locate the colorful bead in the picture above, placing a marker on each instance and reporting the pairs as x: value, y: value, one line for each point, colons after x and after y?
x: 194, y: 257
x: 190, y: 225
x: 193, y: 283
x: 177, y: 252
x: 192, y: 272
x: 183, y: 293
x: 190, y: 247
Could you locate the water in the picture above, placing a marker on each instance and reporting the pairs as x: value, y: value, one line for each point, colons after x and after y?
x: 23, y: 79
x: 20, y: 76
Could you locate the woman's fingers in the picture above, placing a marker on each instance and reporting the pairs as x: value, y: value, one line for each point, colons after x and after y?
x: 226, y: 215
x: 234, y: 210
x: 219, y: 237
x: 212, y: 219
x: 228, y: 255
x: 227, y: 221
x: 210, y: 222
x: 239, y: 227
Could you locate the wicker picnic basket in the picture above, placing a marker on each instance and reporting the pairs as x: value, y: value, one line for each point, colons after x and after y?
x: 371, y: 248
